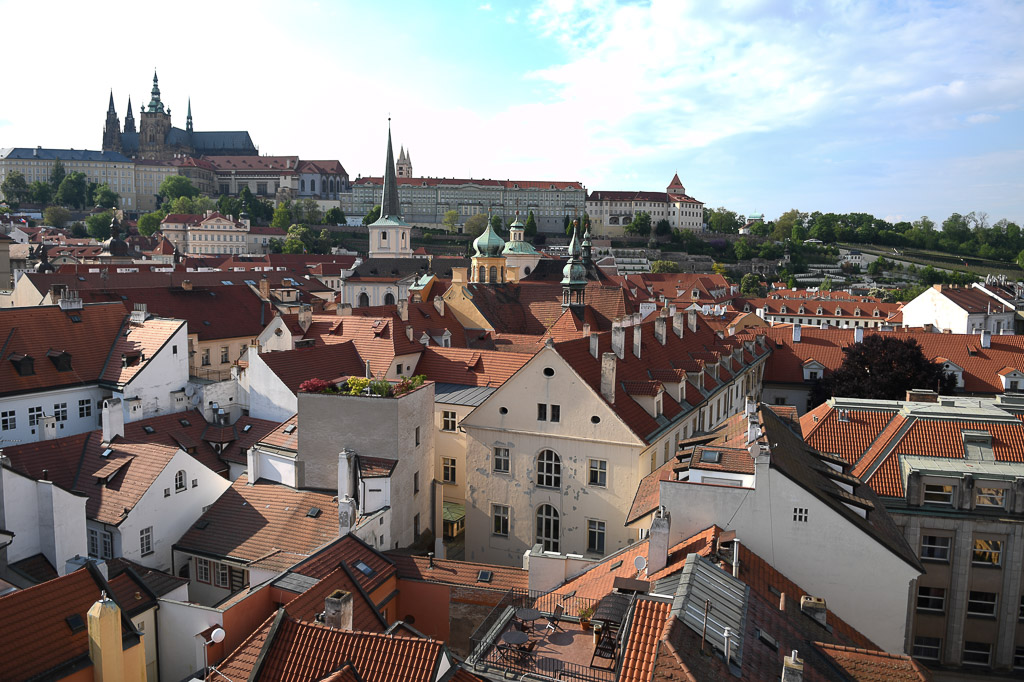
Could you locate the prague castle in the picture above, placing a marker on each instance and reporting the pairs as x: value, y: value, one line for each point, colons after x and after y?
x: 157, y: 139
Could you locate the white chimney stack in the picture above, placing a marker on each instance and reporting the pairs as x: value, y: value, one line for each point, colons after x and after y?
x: 113, y: 419
x: 657, y: 542
x: 660, y: 329
x: 608, y: 361
x: 347, y: 514
x: 986, y: 338
x: 637, y: 339
x: 618, y: 339
x: 678, y: 325
x: 594, y: 345
x: 796, y: 333
x: 858, y: 334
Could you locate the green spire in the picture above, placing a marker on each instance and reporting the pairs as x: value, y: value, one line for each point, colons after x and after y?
x: 155, y: 105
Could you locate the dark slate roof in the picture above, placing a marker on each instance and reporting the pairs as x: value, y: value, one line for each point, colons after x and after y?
x: 459, y: 394
x: 40, y: 154
x: 218, y: 142
x: 403, y: 267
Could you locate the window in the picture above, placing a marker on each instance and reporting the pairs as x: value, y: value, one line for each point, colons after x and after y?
x: 595, y: 536
x: 95, y: 546
x: 417, y: 435
x: 206, y: 357
x: 223, y: 354
x: 146, y: 540
x: 448, y: 420
x: 938, y: 494
x: 800, y: 514
x: 977, y: 653
x: 548, y: 528
x: 991, y: 497
x: 415, y: 482
x: 84, y: 408
x: 221, y: 575
x: 987, y: 552
x: 931, y: 598
x: 416, y: 528
x: 598, y: 472
x: 203, y: 570
x: 1018, y: 658
x: 502, y: 460
x: 8, y: 421
x: 927, y: 648
x: 549, y: 469
x: 542, y: 412
x: 60, y: 412
x: 556, y: 413
x: 35, y: 414
x: 935, y: 548
x: 981, y: 603
x: 179, y: 481
x: 448, y: 469
x: 499, y: 520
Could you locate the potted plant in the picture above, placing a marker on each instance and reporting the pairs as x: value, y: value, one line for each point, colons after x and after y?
x: 584, y: 614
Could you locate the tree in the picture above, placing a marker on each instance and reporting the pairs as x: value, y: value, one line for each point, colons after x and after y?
x: 334, y: 216
x: 663, y: 228
x: 664, y: 266
x: 40, y: 192
x: 175, y: 186
x: 190, y: 205
x: 371, y: 217
x: 530, y: 229
x: 750, y: 285
x: 99, y: 225
x: 718, y: 269
x: 307, y: 212
x: 150, y: 223
x: 743, y: 249
x: 496, y: 223
x: 475, y: 225
x: 72, y: 190
x: 640, y: 225
x: 78, y: 230
x: 57, y: 216
x: 722, y: 219
x: 883, y: 368
x: 826, y: 284
x: 283, y: 215
x: 57, y: 174
x: 293, y: 245
x: 106, y: 197
x: 15, y: 188
x: 451, y: 220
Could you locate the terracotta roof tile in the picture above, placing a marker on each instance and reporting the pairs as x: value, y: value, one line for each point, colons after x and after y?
x: 469, y: 367
x: 461, y: 573
x: 863, y: 665
x: 349, y: 550
x: 645, y: 632
x: 283, y: 436
x: 307, y: 605
x: 325, y: 362
x: 375, y: 467
x: 849, y: 438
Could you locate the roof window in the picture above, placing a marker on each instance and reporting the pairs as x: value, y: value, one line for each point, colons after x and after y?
x: 61, y: 359
x: 313, y: 512
x: 246, y: 428
x: 148, y: 429
x: 364, y: 569
x: 484, y: 576
x: 184, y: 422
x: 24, y: 364
x: 290, y: 429
x: 711, y: 456
x: 75, y: 622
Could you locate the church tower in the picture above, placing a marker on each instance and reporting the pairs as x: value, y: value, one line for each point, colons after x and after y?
x: 404, y: 167
x: 112, y: 129
x: 574, y: 275
x: 188, y: 122
x: 488, y: 259
x: 390, y: 236
x: 129, y: 118
x: 154, y: 126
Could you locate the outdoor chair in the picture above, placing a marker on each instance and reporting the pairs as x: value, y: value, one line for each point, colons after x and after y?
x: 554, y: 618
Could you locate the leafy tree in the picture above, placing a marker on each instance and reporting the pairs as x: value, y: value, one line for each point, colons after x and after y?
x: 371, y: 217
x: 530, y: 228
x: 150, y: 222
x: 78, y: 230
x: 283, y: 215
x: 826, y: 284
x: 307, y: 212
x: 99, y: 225
x: 566, y: 222
x: 475, y: 225
x: 663, y: 228
x: 718, y: 269
x: 293, y: 245
x: 57, y: 174
x: 496, y: 223
x: 334, y: 216
x: 191, y: 205
x: 640, y: 225
x: 72, y: 190
x: 451, y: 220
x: 106, y: 197
x: 750, y: 285
x: 786, y: 222
x: 58, y: 216
x: 175, y: 186
x: 229, y: 205
x: 664, y: 266
x: 798, y: 234
x: 40, y: 192
x: 743, y: 249
x: 1020, y: 259
x: 276, y: 246
x: 722, y: 219
x: 791, y: 283
x: 883, y: 368
x: 15, y: 188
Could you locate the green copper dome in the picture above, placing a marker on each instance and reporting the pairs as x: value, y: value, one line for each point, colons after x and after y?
x: 574, y: 272
x: 488, y: 244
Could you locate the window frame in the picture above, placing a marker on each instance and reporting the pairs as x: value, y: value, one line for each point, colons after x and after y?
x: 203, y: 566
x: 948, y: 495
x: 448, y: 420
x: 448, y: 470
x: 146, y: 541
x: 980, y: 494
x: 221, y: 574
x: 932, y: 643
x: 85, y: 408
x: 997, y: 552
x: 35, y: 415
x: 60, y: 412
x: 542, y: 412
x: 597, y: 534
x: 8, y: 420
x: 988, y: 653
x: 936, y: 603
x: 500, y: 520
x: 180, y: 481
x: 930, y: 546
x: 548, y: 528
x: 501, y: 454
x: 549, y: 469
x: 601, y: 471
x: 989, y: 607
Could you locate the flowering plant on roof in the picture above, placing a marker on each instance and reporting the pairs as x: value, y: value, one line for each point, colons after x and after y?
x: 316, y: 385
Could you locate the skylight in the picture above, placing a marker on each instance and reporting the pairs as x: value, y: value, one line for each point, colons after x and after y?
x: 149, y: 429
x: 106, y: 453
x: 484, y: 576
x: 365, y: 569
x: 290, y: 428
x: 245, y: 429
x: 711, y: 456
x: 313, y: 512
x: 184, y: 422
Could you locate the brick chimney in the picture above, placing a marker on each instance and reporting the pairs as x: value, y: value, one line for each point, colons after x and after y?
x: 608, y: 361
x: 186, y: 284
x: 343, y: 309
x: 409, y: 333
x: 265, y: 287
x: 792, y: 668
x: 338, y: 610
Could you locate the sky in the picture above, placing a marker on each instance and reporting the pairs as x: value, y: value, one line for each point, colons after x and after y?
x: 899, y: 109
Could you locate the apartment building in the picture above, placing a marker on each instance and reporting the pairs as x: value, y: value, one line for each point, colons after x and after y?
x: 610, y: 212
x: 102, y: 167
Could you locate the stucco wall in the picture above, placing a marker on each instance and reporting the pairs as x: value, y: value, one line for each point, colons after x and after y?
x: 73, y: 425
x: 269, y: 398
x: 165, y: 372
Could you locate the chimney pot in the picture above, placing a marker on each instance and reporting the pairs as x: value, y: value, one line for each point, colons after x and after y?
x: 660, y: 329
x: 608, y: 361
x: 338, y: 610
x: 637, y: 339
x: 814, y: 607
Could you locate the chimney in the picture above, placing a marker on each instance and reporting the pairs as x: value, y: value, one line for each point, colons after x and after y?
x: 586, y: 329
x: 345, y: 471
x: 186, y: 284
x: 305, y: 318
x: 677, y: 323
x: 594, y: 345
x: 792, y: 668
x: 736, y: 558
x: 657, y: 542
x: 113, y: 419
x: 608, y: 361
x: 637, y: 337
x: 409, y: 333
x: 265, y: 287
x: 343, y: 309
x: 403, y: 309
x: 796, y: 333
x: 618, y: 339
x: 338, y: 610
x: 47, y: 428
x: 106, y: 649
x: 814, y: 607
x: 691, y: 320
x: 439, y: 305
x: 660, y: 329
x: 728, y: 636
x: 70, y: 300
x: 858, y: 334
x: 986, y: 338
x: 782, y: 602
x: 346, y: 515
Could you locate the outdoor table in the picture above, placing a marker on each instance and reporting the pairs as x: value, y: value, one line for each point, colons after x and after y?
x: 515, y: 637
x: 528, y: 615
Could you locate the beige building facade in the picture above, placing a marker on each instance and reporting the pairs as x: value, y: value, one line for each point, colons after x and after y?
x: 610, y: 212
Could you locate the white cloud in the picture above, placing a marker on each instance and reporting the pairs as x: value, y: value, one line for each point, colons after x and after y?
x: 486, y: 7
x: 982, y: 118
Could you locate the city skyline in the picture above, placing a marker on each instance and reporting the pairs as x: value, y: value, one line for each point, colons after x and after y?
x: 899, y: 111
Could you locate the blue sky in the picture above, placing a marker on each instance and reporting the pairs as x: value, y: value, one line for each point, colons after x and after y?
x: 899, y: 109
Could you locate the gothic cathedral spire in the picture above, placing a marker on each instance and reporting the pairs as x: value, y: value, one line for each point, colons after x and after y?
x: 129, y: 118
x: 188, y: 122
x: 389, y: 204
x: 155, y: 105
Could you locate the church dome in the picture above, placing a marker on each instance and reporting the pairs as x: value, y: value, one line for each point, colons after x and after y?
x: 115, y: 246
x: 488, y: 244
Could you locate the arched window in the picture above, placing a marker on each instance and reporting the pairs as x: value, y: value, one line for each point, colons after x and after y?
x: 364, y: 300
x: 548, y: 528
x: 494, y: 274
x: 549, y: 469
x: 312, y: 185
x: 179, y: 481
x: 302, y: 185
x: 482, y: 277
x: 389, y: 298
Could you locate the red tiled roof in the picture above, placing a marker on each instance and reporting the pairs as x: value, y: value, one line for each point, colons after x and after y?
x: 971, y: 299
x: 278, y: 438
x: 864, y: 665
x: 850, y: 438
x: 645, y: 631
x: 375, y: 467
x: 348, y: 550
x: 138, y: 343
x: 36, y: 568
x: 507, y: 184
x: 279, y: 165
x: 737, y: 460
x: 325, y: 362
x: 459, y: 573
x: 307, y: 605
x: 469, y: 367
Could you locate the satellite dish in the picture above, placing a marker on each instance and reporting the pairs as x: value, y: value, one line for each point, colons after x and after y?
x: 640, y: 563
x: 217, y: 635
x: 196, y: 400
x: 190, y: 390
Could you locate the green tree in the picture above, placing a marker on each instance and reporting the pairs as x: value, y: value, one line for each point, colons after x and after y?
x: 530, y: 228
x: 663, y: 228
x: 293, y: 245
x: 743, y: 249
x: 451, y: 220
x: 496, y: 224
x: 99, y: 225
x: 15, y: 188
x: 664, y: 266
x: 791, y: 283
x: 371, y: 217
x: 722, y: 219
x: 334, y: 216
x: 826, y: 284
x: 718, y: 269
x: 40, y: 192
x: 150, y: 223
x: 78, y: 230
x: 640, y: 225
x: 191, y: 205
x: 750, y: 285
x: 786, y: 222
x: 228, y: 205
x: 58, y: 216
x: 1020, y: 259
x: 72, y: 190
x: 175, y: 186
x: 307, y: 212
x: 798, y: 234
x: 105, y: 197
x: 475, y: 225
x: 283, y: 215
x: 57, y: 174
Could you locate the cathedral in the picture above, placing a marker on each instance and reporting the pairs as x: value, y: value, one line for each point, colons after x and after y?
x: 157, y: 139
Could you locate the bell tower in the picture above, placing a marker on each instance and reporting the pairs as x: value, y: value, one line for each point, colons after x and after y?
x: 154, y: 126
x: 112, y: 129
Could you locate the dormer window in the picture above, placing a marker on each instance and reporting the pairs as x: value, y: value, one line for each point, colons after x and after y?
x: 820, y: 311
x: 23, y: 364
x: 856, y: 312
x: 839, y: 311
x: 61, y: 359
